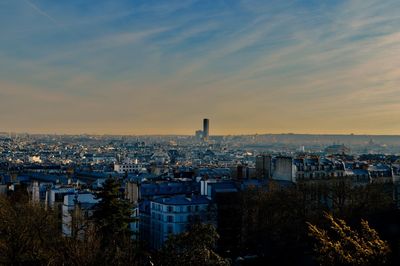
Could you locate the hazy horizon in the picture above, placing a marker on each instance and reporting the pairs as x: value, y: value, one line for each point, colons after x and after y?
x: 156, y: 67
x: 188, y: 135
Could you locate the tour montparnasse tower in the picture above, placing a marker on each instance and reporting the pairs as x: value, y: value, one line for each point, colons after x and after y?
x: 206, y: 128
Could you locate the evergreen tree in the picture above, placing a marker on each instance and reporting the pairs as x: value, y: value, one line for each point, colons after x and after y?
x: 112, y: 218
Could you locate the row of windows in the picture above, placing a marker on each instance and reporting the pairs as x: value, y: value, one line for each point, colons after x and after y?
x: 170, y: 229
x: 182, y: 208
x: 313, y: 168
x: 317, y: 175
x: 177, y: 219
x: 129, y: 167
x: 189, y: 208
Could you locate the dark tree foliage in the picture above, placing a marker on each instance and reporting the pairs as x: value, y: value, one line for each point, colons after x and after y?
x: 194, y: 247
x: 275, y: 220
x: 28, y: 234
x: 274, y: 226
x: 112, y: 218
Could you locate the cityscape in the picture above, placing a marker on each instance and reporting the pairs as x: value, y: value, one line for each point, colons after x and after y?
x: 199, y: 133
x: 173, y: 181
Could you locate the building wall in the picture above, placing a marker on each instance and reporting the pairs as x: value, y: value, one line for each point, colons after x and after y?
x: 319, y: 170
x: 205, y: 188
x: 134, y: 226
x: 283, y: 169
x: 128, y: 166
x: 173, y: 219
x: 229, y: 220
x: 264, y: 166
x: 132, y: 192
x: 35, y: 192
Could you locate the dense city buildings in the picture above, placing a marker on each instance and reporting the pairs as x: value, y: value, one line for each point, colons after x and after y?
x: 172, y: 182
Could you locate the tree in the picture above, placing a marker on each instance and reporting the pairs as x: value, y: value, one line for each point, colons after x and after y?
x: 340, y: 245
x: 112, y: 218
x: 83, y: 245
x: 29, y: 234
x: 194, y: 247
x: 273, y: 225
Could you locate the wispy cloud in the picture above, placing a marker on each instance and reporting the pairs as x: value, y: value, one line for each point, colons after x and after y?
x: 40, y: 11
x: 320, y: 66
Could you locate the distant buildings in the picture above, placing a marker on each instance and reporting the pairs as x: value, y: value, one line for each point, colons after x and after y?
x: 316, y: 168
x: 128, y: 166
x: 205, y: 133
x: 337, y: 149
x: 284, y: 169
x: 178, y: 180
x: 199, y: 134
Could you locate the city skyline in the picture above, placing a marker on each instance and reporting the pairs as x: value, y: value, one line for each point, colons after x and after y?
x: 148, y: 67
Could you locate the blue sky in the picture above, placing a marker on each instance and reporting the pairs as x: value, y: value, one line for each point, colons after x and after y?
x: 150, y: 67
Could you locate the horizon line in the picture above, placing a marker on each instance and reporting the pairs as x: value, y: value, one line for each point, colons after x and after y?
x: 192, y: 135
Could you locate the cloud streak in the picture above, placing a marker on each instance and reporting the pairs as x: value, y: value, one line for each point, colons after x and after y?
x: 273, y: 66
x: 40, y: 11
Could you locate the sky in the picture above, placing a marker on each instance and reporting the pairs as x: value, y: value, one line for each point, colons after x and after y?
x: 160, y: 67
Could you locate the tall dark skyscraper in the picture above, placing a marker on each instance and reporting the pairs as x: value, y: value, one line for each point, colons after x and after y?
x: 206, y: 128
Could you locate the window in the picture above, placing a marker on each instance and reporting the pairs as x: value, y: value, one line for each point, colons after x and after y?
x: 170, y: 219
x: 197, y: 208
x: 169, y: 208
x: 170, y: 229
x: 189, y: 208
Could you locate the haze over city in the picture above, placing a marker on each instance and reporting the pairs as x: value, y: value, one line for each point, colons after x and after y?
x: 159, y: 67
